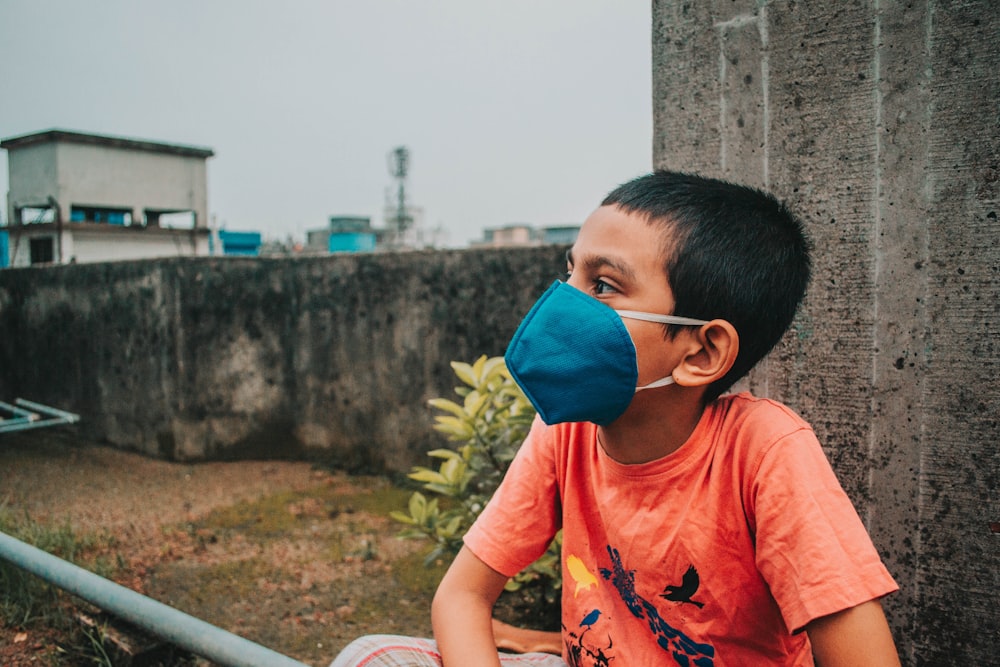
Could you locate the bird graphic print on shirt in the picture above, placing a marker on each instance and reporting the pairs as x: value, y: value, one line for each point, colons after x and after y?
x: 580, y: 574
x: 592, y: 644
x: 684, y: 592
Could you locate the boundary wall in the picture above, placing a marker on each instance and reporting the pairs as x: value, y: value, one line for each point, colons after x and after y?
x: 331, y: 357
x: 877, y: 122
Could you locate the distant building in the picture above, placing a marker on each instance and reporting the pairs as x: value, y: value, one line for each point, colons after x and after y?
x: 77, y: 197
x: 526, y: 235
x: 565, y: 234
x: 238, y: 243
x: 509, y: 235
x: 344, y: 233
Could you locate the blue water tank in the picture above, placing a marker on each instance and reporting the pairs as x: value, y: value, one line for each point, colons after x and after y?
x: 239, y: 243
x: 4, y: 250
x: 352, y: 242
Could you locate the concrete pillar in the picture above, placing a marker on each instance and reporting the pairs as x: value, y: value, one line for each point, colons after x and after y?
x: 877, y: 122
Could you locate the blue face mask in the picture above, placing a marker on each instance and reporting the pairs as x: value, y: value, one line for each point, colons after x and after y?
x: 574, y: 358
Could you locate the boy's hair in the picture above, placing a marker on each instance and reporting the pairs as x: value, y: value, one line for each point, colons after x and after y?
x: 731, y: 252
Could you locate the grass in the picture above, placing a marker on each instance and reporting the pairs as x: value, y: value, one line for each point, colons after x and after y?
x: 222, y: 569
x: 269, y: 519
x: 270, y: 516
x: 96, y: 645
x: 27, y: 601
x: 302, y: 572
x: 416, y: 577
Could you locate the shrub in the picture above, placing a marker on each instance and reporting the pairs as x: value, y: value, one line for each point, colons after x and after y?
x: 487, y: 428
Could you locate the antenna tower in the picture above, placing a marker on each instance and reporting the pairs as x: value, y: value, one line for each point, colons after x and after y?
x: 399, y: 164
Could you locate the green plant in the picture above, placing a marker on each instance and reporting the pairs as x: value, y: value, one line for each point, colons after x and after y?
x: 29, y: 601
x: 487, y: 427
x: 98, y: 654
x: 24, y: 598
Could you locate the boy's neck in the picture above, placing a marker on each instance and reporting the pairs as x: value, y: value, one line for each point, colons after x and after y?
x: 644, y: 435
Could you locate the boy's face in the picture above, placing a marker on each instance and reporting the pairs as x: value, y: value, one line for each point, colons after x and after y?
x: 617, y: 259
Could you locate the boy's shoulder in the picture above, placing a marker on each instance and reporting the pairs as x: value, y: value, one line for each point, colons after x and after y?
x: 744, y: 406
x: 754, y: 425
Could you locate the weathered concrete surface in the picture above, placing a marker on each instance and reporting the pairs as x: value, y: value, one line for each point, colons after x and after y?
x: 333, y: 357
x: 878, y: 122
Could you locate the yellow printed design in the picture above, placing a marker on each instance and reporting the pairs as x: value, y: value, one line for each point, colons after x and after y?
x: 580, y: 574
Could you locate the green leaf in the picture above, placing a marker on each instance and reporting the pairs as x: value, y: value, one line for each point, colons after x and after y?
x: 494, y: 368
x: 418, y: 507
x: 444, y: 489
x: 412, y: 534
x: 477, y: 369
x: 427, y: 475
x: 458, y: 429
x: 452, y: 471
x: 451, y: 528
x: 464, y: 373
x: 447, y: 406
x: 444, y: 454
x: 401, y: 517
x: 474, y: 403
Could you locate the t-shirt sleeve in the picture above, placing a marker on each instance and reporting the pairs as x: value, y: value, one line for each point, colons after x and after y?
x: 812, y: 548
x: 519, y: 522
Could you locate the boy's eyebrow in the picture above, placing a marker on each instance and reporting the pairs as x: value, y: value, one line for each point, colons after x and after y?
x: 594, y: 262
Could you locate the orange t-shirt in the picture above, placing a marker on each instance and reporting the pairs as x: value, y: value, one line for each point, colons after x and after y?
x: 717, y: 554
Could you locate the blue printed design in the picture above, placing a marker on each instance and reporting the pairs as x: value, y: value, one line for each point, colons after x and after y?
x: 684, y: 650
x: 577, y: 650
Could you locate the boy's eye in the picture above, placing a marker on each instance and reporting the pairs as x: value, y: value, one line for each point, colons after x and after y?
x: 601, y: 287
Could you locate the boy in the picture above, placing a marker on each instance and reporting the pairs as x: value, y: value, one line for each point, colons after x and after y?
x: 698, y: 529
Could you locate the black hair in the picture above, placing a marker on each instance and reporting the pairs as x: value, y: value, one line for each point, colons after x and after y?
x: 731, y: 252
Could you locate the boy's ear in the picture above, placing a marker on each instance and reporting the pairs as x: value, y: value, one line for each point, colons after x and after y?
x: 712, y: 353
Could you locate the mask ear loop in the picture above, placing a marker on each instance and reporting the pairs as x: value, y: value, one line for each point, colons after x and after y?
x: 660, y: 319
x: 662, y: 382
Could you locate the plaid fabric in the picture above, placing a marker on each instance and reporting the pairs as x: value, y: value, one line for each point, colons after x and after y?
x: 397, y: 651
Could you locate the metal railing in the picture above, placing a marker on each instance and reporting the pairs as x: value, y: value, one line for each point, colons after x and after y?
x: 27, y: 414
x: 171, y: 625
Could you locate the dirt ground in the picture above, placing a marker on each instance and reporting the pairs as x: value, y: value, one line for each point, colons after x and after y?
x: 298, y: 559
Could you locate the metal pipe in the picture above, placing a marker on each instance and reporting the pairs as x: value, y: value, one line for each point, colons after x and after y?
x: 70, y: 417
x: 23, y: 424
x: 176, y: 627
x: 13, y: 409
x: 25, y: 419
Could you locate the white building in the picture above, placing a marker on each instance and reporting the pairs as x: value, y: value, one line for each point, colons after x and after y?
x: 78, y: 197
x: 520, y: 234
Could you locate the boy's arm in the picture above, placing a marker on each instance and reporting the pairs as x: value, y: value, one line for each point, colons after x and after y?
x: 856, y: 636
x: 462, y: 611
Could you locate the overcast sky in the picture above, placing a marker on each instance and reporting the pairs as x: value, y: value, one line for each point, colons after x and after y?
x: 514, y: 111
